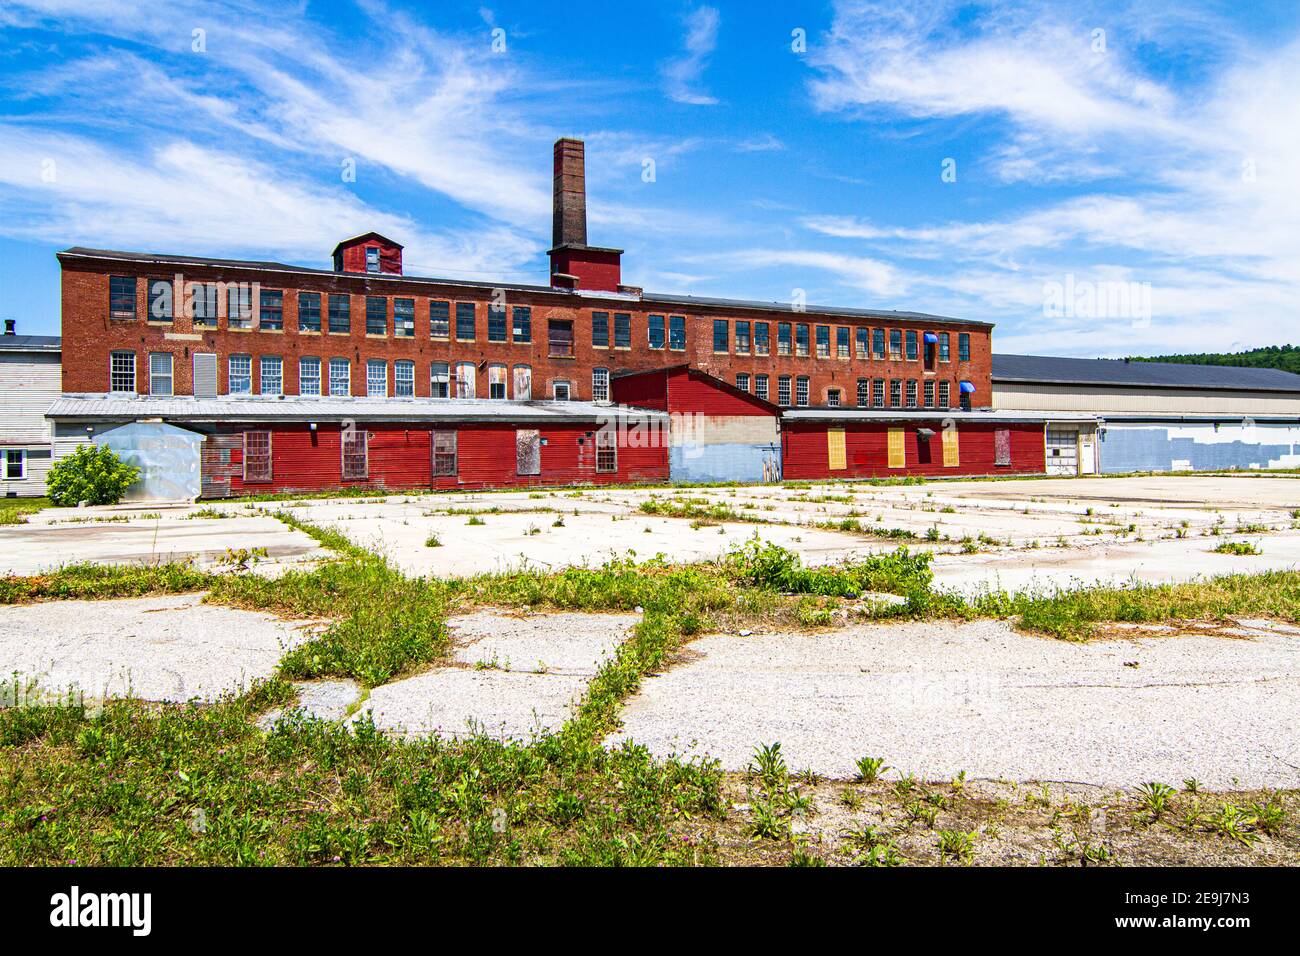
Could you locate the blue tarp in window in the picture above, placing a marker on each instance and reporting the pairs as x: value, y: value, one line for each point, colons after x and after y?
x: 967, y: 387
x: 931, y: 338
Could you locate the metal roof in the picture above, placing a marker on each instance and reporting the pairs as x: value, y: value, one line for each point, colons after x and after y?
x: 30, y: 343
x: 295, y: 408
x: 650, y: 298
x: 1050, y: 370
x: 918, y: 415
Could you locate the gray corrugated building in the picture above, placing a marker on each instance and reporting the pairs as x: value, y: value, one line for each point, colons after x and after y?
x: 30, y: 380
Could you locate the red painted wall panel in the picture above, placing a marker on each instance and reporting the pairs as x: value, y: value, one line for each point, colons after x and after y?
x: 644, y: 391
x: 694, y: 394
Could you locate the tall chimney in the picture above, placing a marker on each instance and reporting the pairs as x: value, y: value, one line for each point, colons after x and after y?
x: 11, y: 326
x: 569, y: 226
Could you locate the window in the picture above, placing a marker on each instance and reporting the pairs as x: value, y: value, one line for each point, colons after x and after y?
x: 878, y: 393
x: 606, y: 451
x: 496, y: 323
x: 677, y: 333
x: 340, y: 314
x: 523, y: 383
x: 760, y: 338
x: 559, y: 333
x: 655, y: 332
x: 257, y: 456
x: 600, y: 385
x: 404, y: 318
x: 15, y: 464
x: 1002, y: 446
x: 203, y: 303
x: 496, y: 381
x: 833, y: 398
x: 895, y: 393
x: 783, y: 390
x: 439, y: 319
x: 376, y: 378
x: 466, y: 380
x: 239, y: 306
x: 356, y: 460
x: 863, y: 336
x: 801, y: 340
x: 622, y: 330
x: 742, y: 381
x: 864, y: 392
x: 929, y: 394
x: 160, y: 373
x: 376, y: 315
x: 801, y: 391
x: 372, y: 259
x: 523, y: 324
x: 340, y: 376
x: 600, y: 330
x: 465, y: 321
x: 943, y: 395
x: 878, y: 342
x: 963, y: 346
x: 444, y: 454
x: 440, y: 380
x: 528, y: 451
x: 270, y: 309
x: 721, y: 335
x: 271, y: 377
x: 742, y: 337
x: 241, y: 375
x: 309, y: 311
x: 308, y: 376
x: 783, y: 338
x: 121, y: 297
x: 760, y: 386
x: 841, y: 342
x: 911, y: 393
x: 160, y: 300
x: 944, y: 347
x: 560, y: 391
x: 823, y: 341
x: 404, y: 378
x: 911, y: 345
x: 895, y: 344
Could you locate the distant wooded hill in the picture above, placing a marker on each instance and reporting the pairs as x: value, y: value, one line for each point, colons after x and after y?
x: 1273, y: 356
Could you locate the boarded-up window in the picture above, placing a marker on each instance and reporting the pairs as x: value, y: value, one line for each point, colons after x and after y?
x: 528, y: 451
x: 356, y: 461
x: 1002, y: 446
x: 205, y: 375
x: 951, y: 452
x: 523, y: 383
x: 257, y: 456
x: 444, y: 454
x: 496, y: 381
x: 465, y: 379
x: 835, y: 458
x: 607, y: 451
x: 897, y: 450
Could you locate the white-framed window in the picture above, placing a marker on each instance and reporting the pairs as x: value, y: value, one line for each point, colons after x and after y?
x: 600, y: 384
x: 444, y: 454
x: 801, y: 391
x: 121, y: 372
x: 832, y: 398
x: 440, y: 380
x: 340, y: 376
x: 760, y: 386
x: 742, y: 381
x: 496, y: 381
x: 943, y: 395
x: 15, y: 464
x: 523, y: 383
x: 271, y: 381
x: 372, y: 259
x: 160, y: 373
x: 241, y: 375
x: 308, y: 376
x: 864, y: 392
x: 560, y: 391
x: 878, y: 393
x: 606, y: 451
x: 466, y: 380
x: 404, y: 378
x: 783, y: 390
x: 257, y: 456
x: 355, y: 448
x: 376, y: 378
x: 911, y: 393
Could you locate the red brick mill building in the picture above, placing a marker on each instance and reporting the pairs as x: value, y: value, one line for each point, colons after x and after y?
x: 362, y: 375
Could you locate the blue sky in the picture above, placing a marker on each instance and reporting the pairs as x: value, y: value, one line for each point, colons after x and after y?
x: 1095, y: 144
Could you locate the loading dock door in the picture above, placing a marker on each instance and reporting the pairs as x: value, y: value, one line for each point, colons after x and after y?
x: 1062, y: 451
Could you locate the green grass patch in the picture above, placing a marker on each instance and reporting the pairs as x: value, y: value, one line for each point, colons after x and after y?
x: 16, y: 510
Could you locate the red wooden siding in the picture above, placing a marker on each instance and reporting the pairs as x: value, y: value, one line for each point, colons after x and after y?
x: 804, y: 449
x: 693, y: 393
x: 649, y: 390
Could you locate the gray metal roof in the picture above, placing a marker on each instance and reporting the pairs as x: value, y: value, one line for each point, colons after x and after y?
x: 30, y: 343
x: 1050, y: 370
x: 918, y: 415
x: 293, y: 408
x: 678, y: 301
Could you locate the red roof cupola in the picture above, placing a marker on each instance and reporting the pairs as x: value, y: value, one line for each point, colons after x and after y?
x: 370, y: 252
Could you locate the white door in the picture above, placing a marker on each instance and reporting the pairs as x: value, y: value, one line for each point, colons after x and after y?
x: 1062, y: 451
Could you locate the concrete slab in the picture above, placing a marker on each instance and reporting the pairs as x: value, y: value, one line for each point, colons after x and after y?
x: 156, y: 648
x: 576, y: 644
x: 320, y: 700
x: 937, y: 699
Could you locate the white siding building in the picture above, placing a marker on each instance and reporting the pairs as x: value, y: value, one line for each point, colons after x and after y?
x: 30, y: 382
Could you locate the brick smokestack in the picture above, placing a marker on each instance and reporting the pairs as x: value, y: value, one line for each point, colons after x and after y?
x: 569, y: 227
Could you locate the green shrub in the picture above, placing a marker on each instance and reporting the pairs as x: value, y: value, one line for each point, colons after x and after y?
x: 94, y: 475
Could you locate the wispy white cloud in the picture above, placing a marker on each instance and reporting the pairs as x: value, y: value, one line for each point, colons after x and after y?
x: 683, y: 74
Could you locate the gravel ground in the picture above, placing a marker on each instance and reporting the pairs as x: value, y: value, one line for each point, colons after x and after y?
x: 155, y: 648
x: 936, y: 699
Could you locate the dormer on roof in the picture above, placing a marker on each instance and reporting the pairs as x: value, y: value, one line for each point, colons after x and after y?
x: 370, y: 252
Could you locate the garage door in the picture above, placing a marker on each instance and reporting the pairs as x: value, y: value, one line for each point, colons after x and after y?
x: 1062, y: 451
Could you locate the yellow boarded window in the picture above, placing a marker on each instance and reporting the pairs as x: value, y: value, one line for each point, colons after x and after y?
x: 951, y: 455
x: 897, y: 452
x: 835, y: 449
